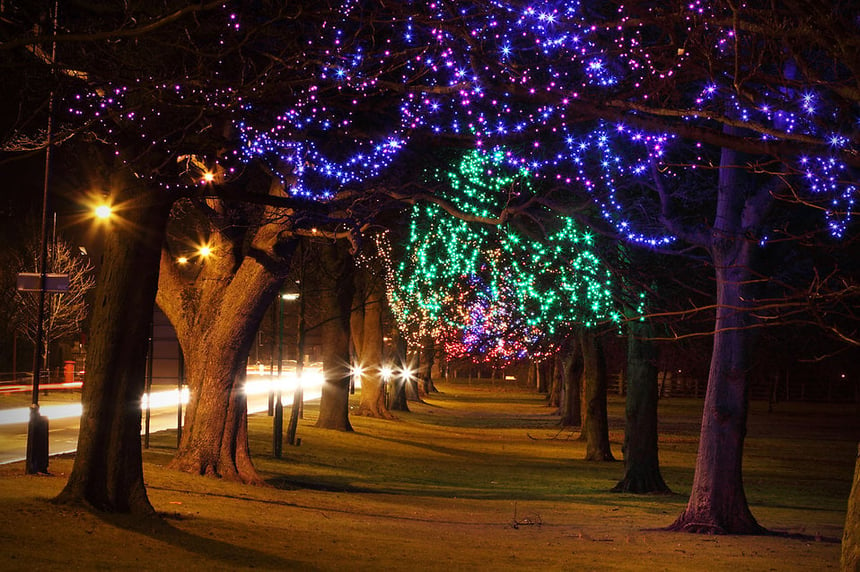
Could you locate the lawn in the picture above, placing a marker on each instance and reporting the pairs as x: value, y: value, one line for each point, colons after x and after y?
x: 474, y: 478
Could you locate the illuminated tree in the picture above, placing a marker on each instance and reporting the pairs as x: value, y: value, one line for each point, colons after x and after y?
x: 495, y: 292
x: 95, y: 49
x: 220, y: 271
x: 367, y: 323
x: 337, y: 288
x: 760, y: 97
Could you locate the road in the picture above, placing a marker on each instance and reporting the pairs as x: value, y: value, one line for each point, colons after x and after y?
x: 64, y: 416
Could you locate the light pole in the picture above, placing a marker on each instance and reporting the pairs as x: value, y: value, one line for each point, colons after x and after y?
x: 278, y: 421
x: 37, y: 427
x: 298, y: 392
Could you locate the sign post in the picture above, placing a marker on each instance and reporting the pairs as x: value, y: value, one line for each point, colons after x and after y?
x: 37, y: 430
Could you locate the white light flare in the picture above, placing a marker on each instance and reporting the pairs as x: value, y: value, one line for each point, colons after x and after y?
x: 312, y: 382
x: 164, y: 399
x: 22, y: 414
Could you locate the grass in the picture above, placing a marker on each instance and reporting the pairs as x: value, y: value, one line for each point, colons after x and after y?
x: 473, y: 479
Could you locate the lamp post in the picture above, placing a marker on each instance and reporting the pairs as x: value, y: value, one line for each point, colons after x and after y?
x: 278, y: 421
x: 298, y: 392
x: 37, y: 427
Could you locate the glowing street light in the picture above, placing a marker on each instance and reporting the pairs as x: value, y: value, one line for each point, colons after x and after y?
x: 103, y: 211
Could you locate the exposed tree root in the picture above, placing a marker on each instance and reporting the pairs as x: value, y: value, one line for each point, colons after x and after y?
x: 641, y: 485
x: 362, y: 411
x: 746, y: 527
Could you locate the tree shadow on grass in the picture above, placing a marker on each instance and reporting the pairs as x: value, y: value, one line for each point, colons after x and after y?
x: 803, y: 537
x: 159, y: 528
x: 716, y: 531
x: 329, y: 485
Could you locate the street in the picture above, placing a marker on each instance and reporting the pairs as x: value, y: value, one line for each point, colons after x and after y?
x: 64, y: 416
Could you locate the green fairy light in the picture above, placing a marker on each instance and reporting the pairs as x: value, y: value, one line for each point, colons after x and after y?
x: 495, y: 291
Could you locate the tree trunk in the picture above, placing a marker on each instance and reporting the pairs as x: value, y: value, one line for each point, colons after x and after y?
x: 108, y: 470
x: 397, y: 385
x: 717, y: 501
x: 216, y: 318
x: 428, y: 355
x: 595, y: 426
x: 214, y: 439
x: 547, y: 377
x: 571, y: 365
x: 851, y: 535
x: 335, y: 305
x: 369, y: 350
x: 641, y: 462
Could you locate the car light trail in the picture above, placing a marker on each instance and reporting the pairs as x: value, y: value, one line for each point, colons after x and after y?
x: 256, y: 384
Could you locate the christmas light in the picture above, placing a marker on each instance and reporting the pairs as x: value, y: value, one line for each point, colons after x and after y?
x: 367, y: 80
x: 492, y: 292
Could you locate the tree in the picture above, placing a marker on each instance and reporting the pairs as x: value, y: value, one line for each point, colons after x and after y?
x: 850, y: 541
x: 64, y: 313
x: 569, y: 361
x: 216, y: 302
x: 367, y: 325
x: 336, y: 296
x: 641, y: 463
x: 115, y: 69
x: 595, y: 425
x: 500, y: 293
x: 108, y: 471
x: 496, y: 282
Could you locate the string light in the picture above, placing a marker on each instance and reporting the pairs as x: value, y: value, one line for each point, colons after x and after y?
x: 497, y: 73
x: 493, y: 293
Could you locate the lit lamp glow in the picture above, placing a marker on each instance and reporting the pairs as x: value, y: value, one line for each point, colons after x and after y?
x: 103, y: 212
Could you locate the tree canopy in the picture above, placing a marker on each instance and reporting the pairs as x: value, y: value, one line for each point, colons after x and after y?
x: 497, y: 292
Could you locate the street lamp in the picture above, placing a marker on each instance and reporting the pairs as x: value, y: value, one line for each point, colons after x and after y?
x: 298, y: 392
x: 278, y: 421
x: 103, y: 211
x: 37, y: 427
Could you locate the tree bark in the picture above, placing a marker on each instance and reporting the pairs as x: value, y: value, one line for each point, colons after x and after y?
x: 571, y: 365
x: 717, y: 501
x: 428, y: 357
x: 335, y: 304
x: 545, y: 372
x: 595, y: 426
x: 397, y: 385
x: 214, y: 438
x: 216, y: 318
x: 641, y: 462
x: 367, y: 339
x: 850, y: 561
x: 108, y: 470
